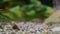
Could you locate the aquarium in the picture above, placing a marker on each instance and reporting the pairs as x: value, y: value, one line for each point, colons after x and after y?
x: 24, y: 17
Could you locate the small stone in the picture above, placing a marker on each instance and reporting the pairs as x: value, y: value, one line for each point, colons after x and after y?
x: 1, y: 30
x: 26, y: 32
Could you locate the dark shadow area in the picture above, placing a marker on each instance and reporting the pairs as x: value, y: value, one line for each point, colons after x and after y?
x: 47, y: 2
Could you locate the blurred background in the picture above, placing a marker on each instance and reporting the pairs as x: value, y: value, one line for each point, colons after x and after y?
x: 25, y: 9
x: 45, y: 2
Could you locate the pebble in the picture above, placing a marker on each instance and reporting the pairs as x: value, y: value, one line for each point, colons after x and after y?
x: 27, y: 28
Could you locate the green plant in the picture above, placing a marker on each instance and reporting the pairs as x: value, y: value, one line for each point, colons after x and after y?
x: 19, y: 10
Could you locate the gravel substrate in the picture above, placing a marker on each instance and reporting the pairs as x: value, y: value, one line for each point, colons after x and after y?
x: 27, y: 28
